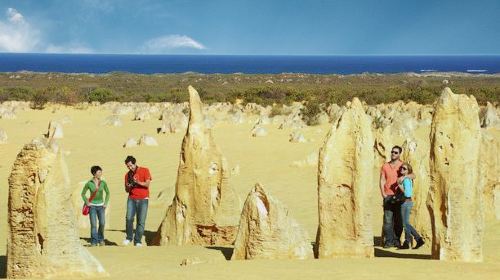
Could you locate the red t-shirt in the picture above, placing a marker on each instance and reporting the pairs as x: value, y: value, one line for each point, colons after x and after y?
x: 139, y: 192
x: 391, y: 174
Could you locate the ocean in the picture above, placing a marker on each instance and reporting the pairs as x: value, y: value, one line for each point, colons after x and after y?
x: 226, y: 64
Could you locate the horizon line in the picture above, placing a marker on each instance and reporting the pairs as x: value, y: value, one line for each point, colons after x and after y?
x: 215, y: 54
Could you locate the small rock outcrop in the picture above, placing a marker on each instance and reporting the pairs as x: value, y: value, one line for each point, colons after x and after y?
x: 130, y: 143
x: 205, y: 209
x: 113, y: 120
x: 259, y: 131
x: 147, y: 140
x: 55, y: 131
x: 43, y: 239
x: 268, y: 232
x: 3, y: 136
x: 297, y: 137
x: 455, y: 200
x: 489, y: 116
x: 345, y: 179
x: 142, y: 115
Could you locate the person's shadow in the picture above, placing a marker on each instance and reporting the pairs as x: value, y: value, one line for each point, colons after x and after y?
x: 383, y: 253
x: 148, y: 235
x: 106, y: 242
x: 3, y: 266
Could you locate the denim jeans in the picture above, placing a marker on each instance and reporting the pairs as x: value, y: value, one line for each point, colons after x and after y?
x: 392, y: 227
x: 135, y: 207
x: 97, y: 235
x: 409, y: 230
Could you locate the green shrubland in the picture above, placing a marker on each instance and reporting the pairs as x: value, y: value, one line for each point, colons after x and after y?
x: 312, y: 90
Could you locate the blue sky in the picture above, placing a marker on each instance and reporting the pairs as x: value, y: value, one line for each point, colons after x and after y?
x: 291, y: 27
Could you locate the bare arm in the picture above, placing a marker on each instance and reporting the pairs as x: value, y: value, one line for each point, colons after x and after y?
x: 400, y: 186
x: 144, y: 184
x: 410, y: 176
x: 382, y: 183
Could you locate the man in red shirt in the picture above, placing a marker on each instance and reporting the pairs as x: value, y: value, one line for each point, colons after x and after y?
x: 137, y: 181
x: 393, y: 226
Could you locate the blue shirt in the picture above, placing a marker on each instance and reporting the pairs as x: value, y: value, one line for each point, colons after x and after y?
x: 408, y: 187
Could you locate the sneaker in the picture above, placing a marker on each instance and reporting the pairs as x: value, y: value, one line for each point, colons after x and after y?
x: 102, y: 243
x: 405, y: 246
x: 388, y: 245
x: 138, y: 244
x: 126, y: 242
x: 420, y: 242
x: 93, y: 245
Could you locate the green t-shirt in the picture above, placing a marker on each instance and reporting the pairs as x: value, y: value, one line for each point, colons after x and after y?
x: 98, y: 199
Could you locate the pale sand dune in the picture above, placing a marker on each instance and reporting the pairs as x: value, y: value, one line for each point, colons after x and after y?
x: 266, y: 160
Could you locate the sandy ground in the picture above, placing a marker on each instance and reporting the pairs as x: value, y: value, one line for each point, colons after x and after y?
x: 267, y: 160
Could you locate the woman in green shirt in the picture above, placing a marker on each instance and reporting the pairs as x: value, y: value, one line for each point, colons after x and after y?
x: 97, y: 205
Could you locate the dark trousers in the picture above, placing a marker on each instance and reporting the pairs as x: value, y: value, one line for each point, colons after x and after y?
x: 393, y: 226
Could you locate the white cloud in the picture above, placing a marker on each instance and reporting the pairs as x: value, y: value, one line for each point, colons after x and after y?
x: 170, y: 42
x: 17, y: 35
x: 14, y: 16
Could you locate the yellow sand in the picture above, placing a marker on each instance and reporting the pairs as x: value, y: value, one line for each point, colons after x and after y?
x: 267, y: 160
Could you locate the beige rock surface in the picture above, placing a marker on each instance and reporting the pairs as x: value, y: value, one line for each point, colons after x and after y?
x: 490, y: 171
x: 344, y: 187
x: 267, y: 231
x: 455, y: 200
x: 43, y: 239
x: 205, y: 209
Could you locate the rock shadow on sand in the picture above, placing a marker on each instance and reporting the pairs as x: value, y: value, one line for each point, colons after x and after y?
x: 226, y: 251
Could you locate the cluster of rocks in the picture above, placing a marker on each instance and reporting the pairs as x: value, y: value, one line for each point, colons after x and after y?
x: 144, y: 140
x: 458, y: 189
x: 9, y: 109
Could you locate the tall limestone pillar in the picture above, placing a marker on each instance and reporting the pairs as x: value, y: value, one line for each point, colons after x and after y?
x: 345, y: 180
x: 455, y: 200
x: 43, y: 238
x: 205, y: 209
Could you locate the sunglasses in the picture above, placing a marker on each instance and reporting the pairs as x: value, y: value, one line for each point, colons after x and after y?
x: 404, y: 168
x: 394, y: 152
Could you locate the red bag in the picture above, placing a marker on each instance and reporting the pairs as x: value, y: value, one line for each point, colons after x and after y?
x: 86, y: 208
